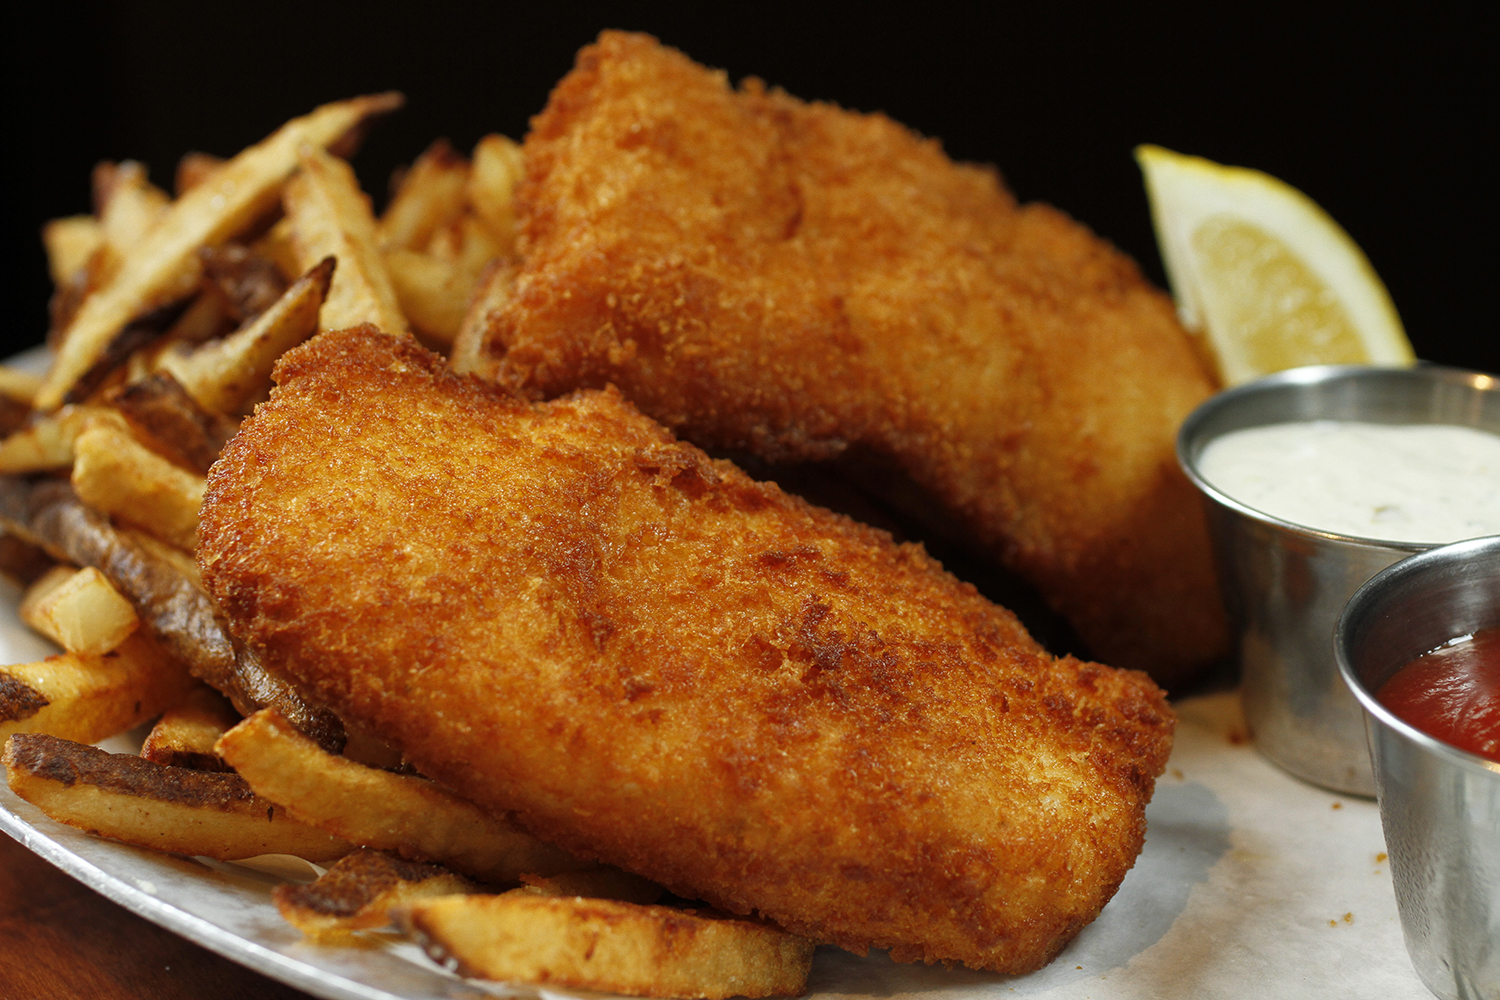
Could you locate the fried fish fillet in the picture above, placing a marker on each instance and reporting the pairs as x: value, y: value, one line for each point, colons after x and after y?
x: 558, y: 610
x: 802, y: 282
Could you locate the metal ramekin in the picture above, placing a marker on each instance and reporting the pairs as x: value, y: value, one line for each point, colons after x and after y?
x: 1285, y: 584
x: 1439, y: 806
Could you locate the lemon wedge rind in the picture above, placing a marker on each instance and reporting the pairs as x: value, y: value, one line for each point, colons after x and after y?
x: 1189, y: 193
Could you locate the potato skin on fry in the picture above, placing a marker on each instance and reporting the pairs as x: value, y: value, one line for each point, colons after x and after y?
x: 653, y: 660
x: 140, y: 802
x: 90, y: 697
x: 358, y: 892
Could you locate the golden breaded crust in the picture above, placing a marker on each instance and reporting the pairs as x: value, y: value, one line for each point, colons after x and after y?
x: 797, y: 280
x: 559, y: 610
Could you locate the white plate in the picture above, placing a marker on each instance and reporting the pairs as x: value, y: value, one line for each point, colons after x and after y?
x: 1251, y: 883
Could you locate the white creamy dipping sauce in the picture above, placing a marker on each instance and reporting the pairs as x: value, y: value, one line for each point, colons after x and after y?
x: 1395, y: 482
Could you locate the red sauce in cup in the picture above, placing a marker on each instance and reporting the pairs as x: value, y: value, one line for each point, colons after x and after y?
x: 1452, y: 693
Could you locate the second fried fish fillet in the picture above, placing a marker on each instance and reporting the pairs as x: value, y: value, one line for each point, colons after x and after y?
x: 802, y: 282
x: 558, y: 610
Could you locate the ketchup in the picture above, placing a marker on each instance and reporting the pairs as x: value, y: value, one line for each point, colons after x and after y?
x: 1452, y: 693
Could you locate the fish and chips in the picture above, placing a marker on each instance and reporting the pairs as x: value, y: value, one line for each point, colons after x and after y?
x: 393, y: 524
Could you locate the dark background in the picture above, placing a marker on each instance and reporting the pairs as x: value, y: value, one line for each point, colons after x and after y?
x: 1378, y: 118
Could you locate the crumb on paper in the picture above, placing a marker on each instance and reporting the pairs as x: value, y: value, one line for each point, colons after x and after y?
x: 1381, y: 858
x: 1177, y: 773
x: 1238, y: 737
x: 1337, y: 805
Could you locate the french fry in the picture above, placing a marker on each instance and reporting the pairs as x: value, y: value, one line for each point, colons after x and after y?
x: 250, y: 282
x: 195, y: 169
x: 69, y: 243
x: 469, y: 243
x: 127, y: 205
x: 359, y: 891
x: 163, y: 584
x: 17, y: 389
x: 330, y: 216
x: 150, y: 805
x: 497, y: 168
x: 122, y: 355
x: 435, y: 285
x: 165, y: 263
x: 469, y: 355
x: 18, y: 385
x: 208, y: 314
x: 46, y: 444
x: 185, y: 734
x: 55, y: 576
x: 22, y: 562
x: 172, y: 423
x: 608, y: 945
x: 78, y: 610
x: 433, y: 293
x: 225, y: 376
x: 89, y: 698
x: 381, y: 810
x: 431, y: 195
x: 115, y: 473
x: 277, y: 246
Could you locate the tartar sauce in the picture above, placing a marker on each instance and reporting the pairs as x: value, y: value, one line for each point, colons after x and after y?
x: 1406, y: 483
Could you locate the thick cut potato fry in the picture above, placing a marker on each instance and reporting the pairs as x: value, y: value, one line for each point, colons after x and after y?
x: 330, y: 216
x: 498, y: 167
x: 22, y: 562
x: 185, y: 734
x: 607, y: 945
x: 277, y: 246
x: 123, y: 357
x: 433, y: 293
x: 79, y: 610
x: 381, y: 810
x: 225, y: 376
x: 436, y: 285
x: 89, y: 698
x: 127, y: 204
x: 115, y: 473
x: 163, y: 584
x: 251, y: 282
x: 468, y: 243
x: 431, y: 195
x: 69, y: 243
x: 194, y: 169
x: 207, y: 315
x: 150, y: 805
x: 46, y: 444
x: 170, y: 422
x: 18, y: 385
x: 359, y: 891
x: 38, y: 590
x: 469, y: 356
x: 165, y: 263
x: 17, y: 389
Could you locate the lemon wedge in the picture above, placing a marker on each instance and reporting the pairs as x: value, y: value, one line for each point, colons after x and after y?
x: 1263, y: 273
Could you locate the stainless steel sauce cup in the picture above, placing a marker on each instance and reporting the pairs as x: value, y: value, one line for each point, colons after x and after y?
x: 1439, y: 806
x: 1285, y: 584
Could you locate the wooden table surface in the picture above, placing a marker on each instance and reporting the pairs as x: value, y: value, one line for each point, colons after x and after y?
x: 60, y: 939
